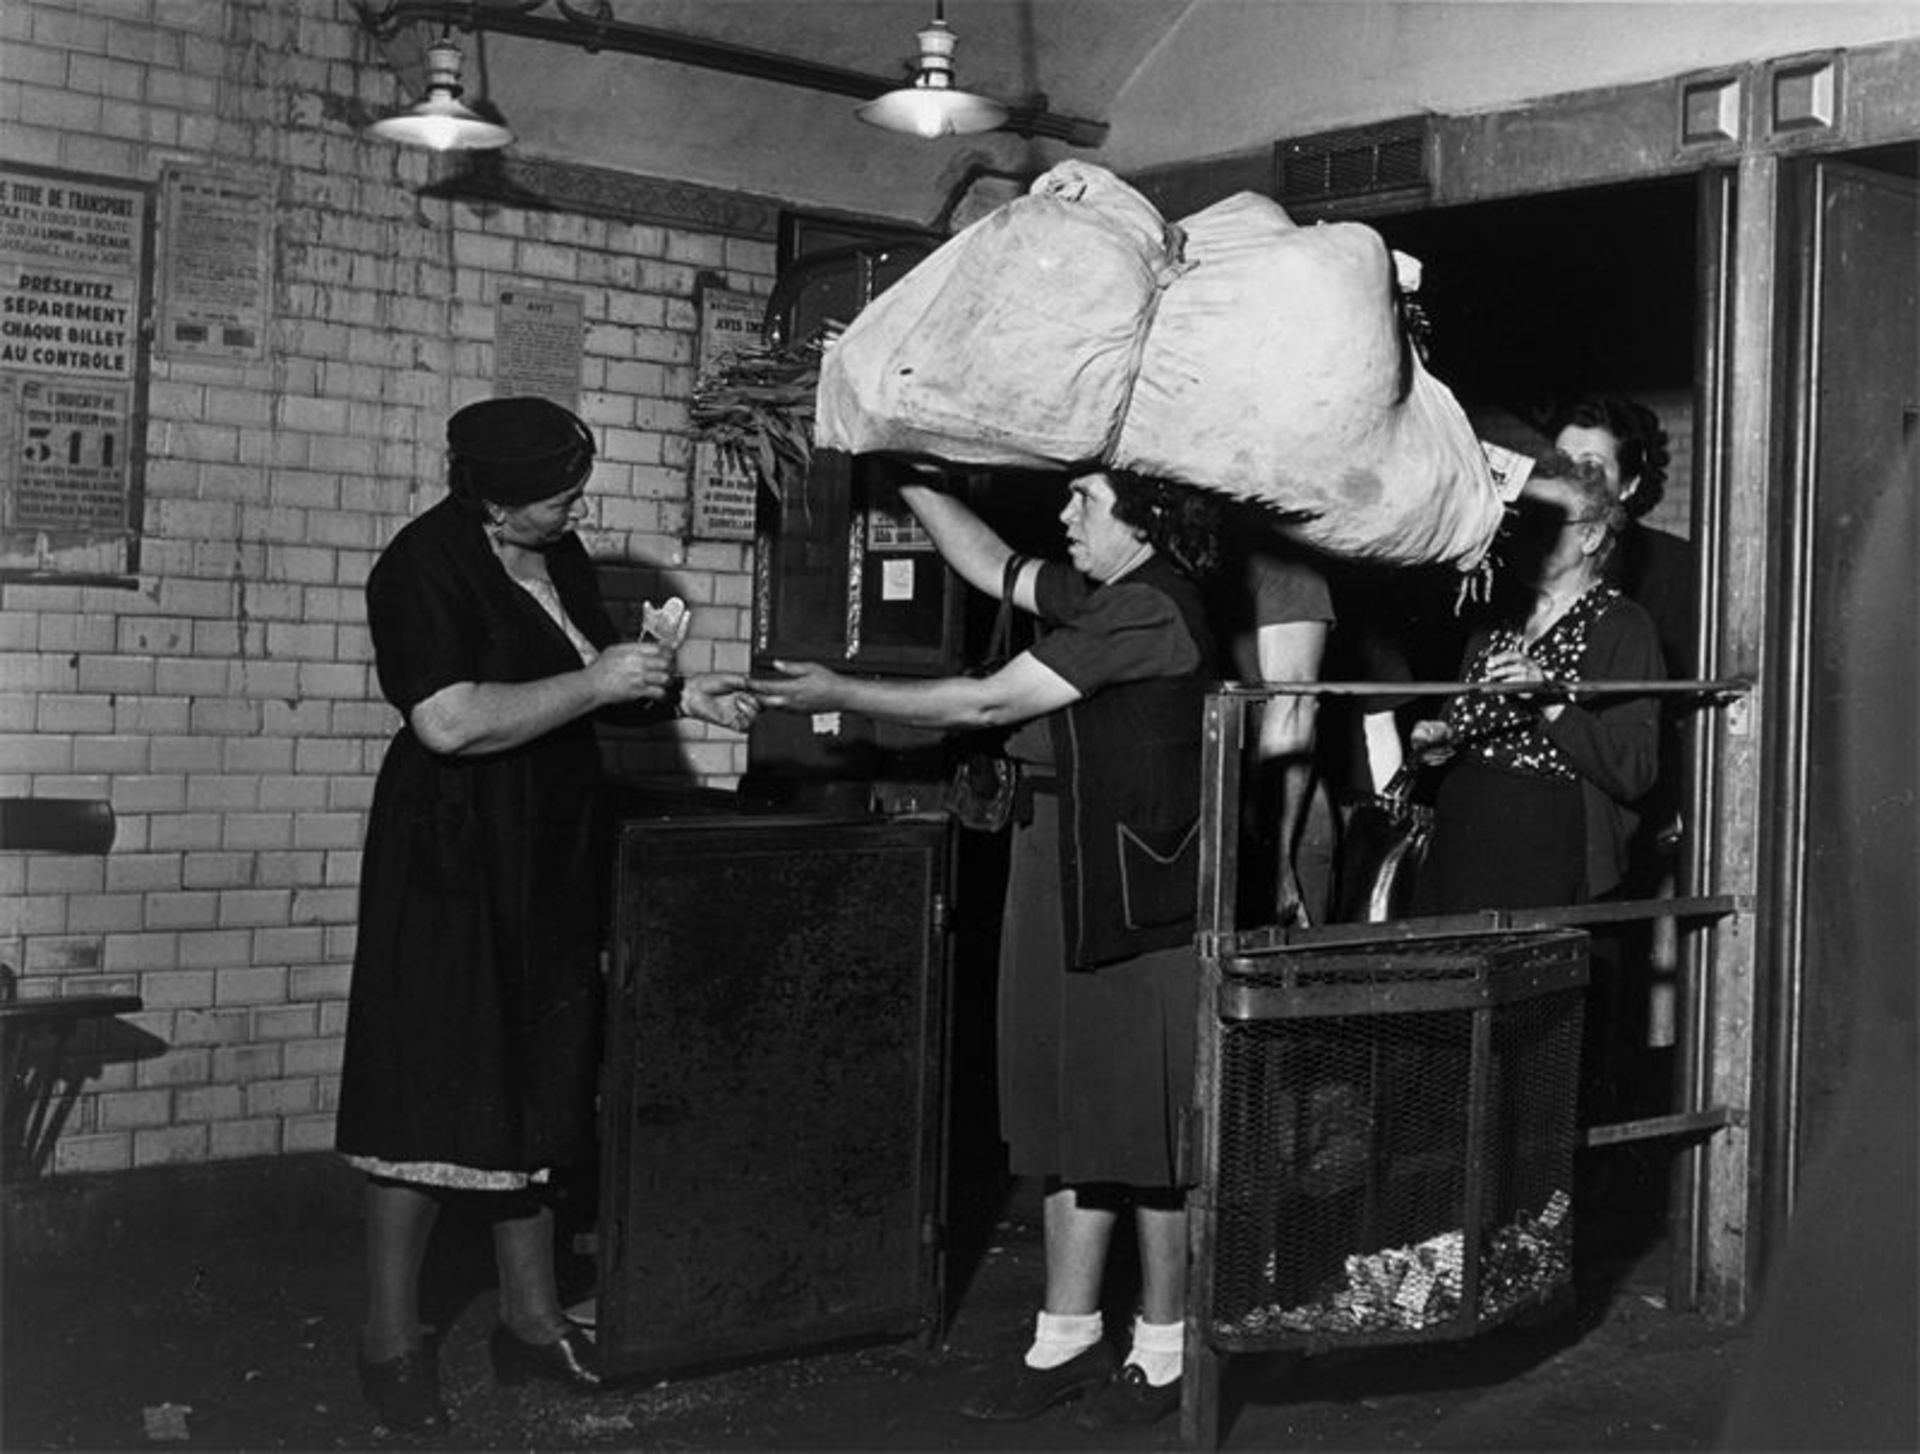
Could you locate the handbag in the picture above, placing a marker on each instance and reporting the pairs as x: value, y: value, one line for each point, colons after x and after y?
x: 986, y: 782
x: 1382, y: 847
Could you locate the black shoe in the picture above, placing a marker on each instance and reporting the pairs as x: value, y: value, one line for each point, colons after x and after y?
x: 405, y: 1391
x: 570, y: 1359
x: 1128, y: 1401
x: 1025, y: 1393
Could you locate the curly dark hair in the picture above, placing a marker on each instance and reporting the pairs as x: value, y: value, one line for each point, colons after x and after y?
x: 1179, y: 521
x: 1644, y: 454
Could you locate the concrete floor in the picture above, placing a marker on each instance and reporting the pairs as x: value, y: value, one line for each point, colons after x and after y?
x: 244, y: 1340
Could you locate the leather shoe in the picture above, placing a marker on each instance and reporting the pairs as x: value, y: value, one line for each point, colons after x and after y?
x: 1025, y: 1393
x: 571, y: 1359
x: 405, y: 1391
x: 1129, y: 1401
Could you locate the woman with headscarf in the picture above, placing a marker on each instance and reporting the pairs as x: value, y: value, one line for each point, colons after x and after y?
x: 473, y: 1032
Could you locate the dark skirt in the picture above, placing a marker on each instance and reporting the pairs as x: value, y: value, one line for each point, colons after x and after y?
x: 1096, y: 1066
x: 1503, y: 840
x: 473, y: 1023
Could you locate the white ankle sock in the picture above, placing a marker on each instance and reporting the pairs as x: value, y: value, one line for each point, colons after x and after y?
x: 1060, y: 1336
x: 1158, y: 1350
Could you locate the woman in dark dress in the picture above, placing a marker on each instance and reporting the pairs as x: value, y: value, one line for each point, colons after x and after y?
x: 1634, y: 960
x: 1096, y: 1009
x: 1537, y: 803
x: 473, y: 1041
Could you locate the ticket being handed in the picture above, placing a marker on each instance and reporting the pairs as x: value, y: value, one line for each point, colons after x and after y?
x: 667, y: 623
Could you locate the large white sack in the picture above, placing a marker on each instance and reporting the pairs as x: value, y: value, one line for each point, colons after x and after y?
x: 1013, y: 343
x: 1273, y: 372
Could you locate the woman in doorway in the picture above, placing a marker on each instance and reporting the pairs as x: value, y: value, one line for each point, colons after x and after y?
x: 1096, y: 1015
x: 1625, y: 440
x: 1537, y: 803
x: 473, y: 1041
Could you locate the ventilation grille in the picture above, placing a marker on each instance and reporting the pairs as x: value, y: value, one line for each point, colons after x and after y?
x: 1358, y: 163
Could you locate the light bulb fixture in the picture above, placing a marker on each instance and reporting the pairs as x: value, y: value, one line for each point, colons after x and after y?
x: 441, y: 121
x: 930, y: 107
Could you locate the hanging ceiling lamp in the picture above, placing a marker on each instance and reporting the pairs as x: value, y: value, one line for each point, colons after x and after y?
x: 931, y: 107
x: 440, y: 121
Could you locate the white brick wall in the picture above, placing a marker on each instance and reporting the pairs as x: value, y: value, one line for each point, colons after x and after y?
x: 225, y: 704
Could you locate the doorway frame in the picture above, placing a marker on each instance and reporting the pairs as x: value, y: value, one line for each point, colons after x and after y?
x: 1732, y: 127
x: 1735, y: 127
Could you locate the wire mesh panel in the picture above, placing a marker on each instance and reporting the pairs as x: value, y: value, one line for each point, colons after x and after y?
x: 1395, y: 1139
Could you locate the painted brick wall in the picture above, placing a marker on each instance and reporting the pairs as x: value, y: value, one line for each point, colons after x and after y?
x: 225, y: 704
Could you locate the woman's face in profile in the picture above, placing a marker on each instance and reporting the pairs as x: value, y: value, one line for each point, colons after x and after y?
x: 544, y: 522
x: 1100, y: 545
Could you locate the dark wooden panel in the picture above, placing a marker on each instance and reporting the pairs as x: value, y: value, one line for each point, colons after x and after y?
x: 774, y: 1106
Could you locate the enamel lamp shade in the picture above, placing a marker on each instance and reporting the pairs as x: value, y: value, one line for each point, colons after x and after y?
x: 930, y: 107
x: 441, y: 122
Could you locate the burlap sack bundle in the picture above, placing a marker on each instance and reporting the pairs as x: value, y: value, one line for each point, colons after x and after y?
x: 1015, y: 342
x: 1276, y: 370
x: 1234, y: 351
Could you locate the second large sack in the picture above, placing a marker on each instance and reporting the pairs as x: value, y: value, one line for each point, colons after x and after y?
x: 1276, y: 369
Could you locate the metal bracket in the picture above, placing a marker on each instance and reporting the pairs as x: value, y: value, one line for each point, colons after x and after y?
x: 1658, y: 1128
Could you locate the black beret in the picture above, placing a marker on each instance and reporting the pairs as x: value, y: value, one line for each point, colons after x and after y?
x: 516, y: 450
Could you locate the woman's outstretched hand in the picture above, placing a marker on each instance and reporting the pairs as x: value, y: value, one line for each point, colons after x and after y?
x: 804, y: 686
x: 725, y: 699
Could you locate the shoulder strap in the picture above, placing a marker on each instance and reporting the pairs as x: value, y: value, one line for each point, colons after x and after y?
x: 1002, y: 637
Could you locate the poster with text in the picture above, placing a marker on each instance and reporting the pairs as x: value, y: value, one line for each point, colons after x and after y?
x: 68, y: 438
x: 74, y: 277
x: 539, y: 340
x: 216, y: 271
x: 724, y: 494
